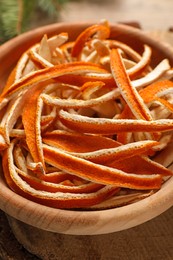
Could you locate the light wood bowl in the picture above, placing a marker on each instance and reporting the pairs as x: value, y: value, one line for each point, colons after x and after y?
x: 82, y: 222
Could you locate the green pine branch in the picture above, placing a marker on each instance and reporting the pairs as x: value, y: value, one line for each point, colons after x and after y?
x: 16, y: 15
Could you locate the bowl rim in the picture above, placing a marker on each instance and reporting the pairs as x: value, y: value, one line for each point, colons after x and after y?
x: 84, y: 222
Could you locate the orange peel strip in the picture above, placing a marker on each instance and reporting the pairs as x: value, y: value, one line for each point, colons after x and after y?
x: 121, y: 200
x: 11, y: 115
x: 157, y: 73
x: 50, y: 73
x: 119, y: 153
x: 142, y: 64
x: 31, y: 120
x: 102, y: 156
x: 75, y: 142
x: 156, y: 89
x: 79, y: 80
x: 114, y: 44
x: 104, y: 32
x: 39, y: 61
x: 166, y: 104
x: 19, y: 158
x: 112, y: 126
x: 148, y: 94
x: 16, y: 73
x: 56, y: 199
x: 98, y: 173
x: 128, y: 92
x: 133, y: 164
x: 35, y: 183
x: 77, y: 103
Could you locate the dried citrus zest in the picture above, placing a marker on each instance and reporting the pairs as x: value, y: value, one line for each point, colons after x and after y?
x: 10, y: 80
x: 19, y: 158
x: 129, y: 64
x: 57, y: 41
x: 17, y: 133
x: 89, y: 87
x: 35, y: 183
x: 55, y: 199
x: 13, y: 112
x: 134, y: 163
x: 39, y: 61
x: 121, y: 200
x: 81, y: 134
x: 159, y: 168
x: 166, y: 104
x: 122, y: 152
x: 142, y: 64
x: 57, y: 176
x: 65, y: 49
x: 157, y: 73
x: 98, y: 149
x: 168, y: 74
x: 79, y: 143
x: 77, y: 103
x: 112, y: 126
x: 98, y: 173
x: 17, y: 71
x: 164, y: 141
x: 124, y: 137
x: 46, y: 46
x: 101, y: 49
x: 50, y: 73
x: 67, y: 46
x: 156, y: 89
x: 43, y: 49
x: 76, y: 142
x: 103, y: 32
x: 48, y: 120
x: 36, y: 167
x: 31, y: 121
x: 134, y: 55
x: 128, y: 92
x: 43, y: 54
x: 79, y: 80
x: 3, y: 144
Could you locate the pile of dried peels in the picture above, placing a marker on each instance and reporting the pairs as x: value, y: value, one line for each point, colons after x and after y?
x: 81, y: 121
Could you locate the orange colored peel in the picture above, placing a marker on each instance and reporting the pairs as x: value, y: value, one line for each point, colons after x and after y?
x: 102, y: 30
x: 127, y: 90
x: 83, y: 134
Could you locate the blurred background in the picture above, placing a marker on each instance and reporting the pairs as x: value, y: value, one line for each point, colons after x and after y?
x: 17, y: 16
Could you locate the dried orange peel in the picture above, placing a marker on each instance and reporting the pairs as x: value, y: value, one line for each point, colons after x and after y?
x: 81, y: 121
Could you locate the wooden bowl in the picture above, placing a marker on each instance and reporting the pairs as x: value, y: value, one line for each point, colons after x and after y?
x: 82, y: 222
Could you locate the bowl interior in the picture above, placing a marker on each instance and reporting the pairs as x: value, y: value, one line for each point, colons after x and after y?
x: 81, y: 222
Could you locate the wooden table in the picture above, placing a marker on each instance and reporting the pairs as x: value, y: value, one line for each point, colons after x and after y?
x: 152, y: 14
x: 149, y: 241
